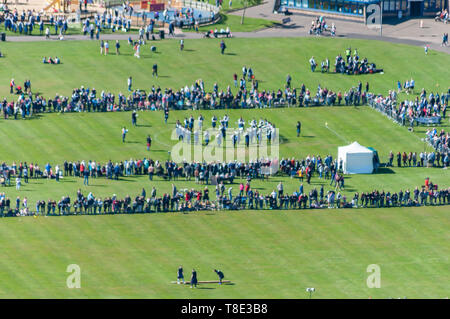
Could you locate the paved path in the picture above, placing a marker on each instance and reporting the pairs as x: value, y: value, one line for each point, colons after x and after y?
x: 406, y: 32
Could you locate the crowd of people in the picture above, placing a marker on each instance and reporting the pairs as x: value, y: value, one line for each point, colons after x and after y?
x: 430, y: 159
x: 440, y: 142
x: 185, y: 200
x: 50, y: 60
x: 189, y: 97
x: 350, y: 65
x: 253, y: 134
x: 320, y: 26
x: 411, y: 111
x: 324, y: 167
x: 29, y: 20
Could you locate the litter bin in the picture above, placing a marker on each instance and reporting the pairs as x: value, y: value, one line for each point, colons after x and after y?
x: 3, y: 36
x: 161, y: 34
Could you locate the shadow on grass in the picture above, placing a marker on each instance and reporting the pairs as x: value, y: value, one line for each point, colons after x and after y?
x: 384, y: 170
x: 283, y: 139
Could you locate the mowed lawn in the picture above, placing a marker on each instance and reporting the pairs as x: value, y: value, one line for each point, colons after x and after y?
x: 54, y: 138
x: 267, y: 254
x: 271, y: 59
x: 264, y: 254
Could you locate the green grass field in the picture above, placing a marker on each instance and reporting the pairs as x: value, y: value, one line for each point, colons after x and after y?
x: 202, y: 60
x: 267, y: 254
x: 234, y: 23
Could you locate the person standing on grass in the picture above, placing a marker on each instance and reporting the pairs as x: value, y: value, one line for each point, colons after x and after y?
x: 124, y: 134
x: 117, y: 47
x: 137, y: 48
x: 12, y: 85
x: 180, y: 276
x: 102, y: 45
x: 129, y: 83
x: 18, y: 183
x: 220, y: 274
x: 47, y: 33
x: 313, y: 64
x: 86, y: 177
x: 181, y: 45
x: 134, y: 118
x: 106, y: 48
x: 166, y: 114
x: 155, y: 70
x: 194, y: 280
x: 222, y: 47
x: 299, y: 127
x: 149, y: 142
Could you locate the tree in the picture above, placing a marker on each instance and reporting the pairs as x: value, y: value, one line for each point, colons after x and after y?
x: 248, y: 3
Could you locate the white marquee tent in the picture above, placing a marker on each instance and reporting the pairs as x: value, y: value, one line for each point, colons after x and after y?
x: 356, y: 159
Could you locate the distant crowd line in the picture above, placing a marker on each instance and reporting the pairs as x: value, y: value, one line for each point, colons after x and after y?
x: 185, y: 200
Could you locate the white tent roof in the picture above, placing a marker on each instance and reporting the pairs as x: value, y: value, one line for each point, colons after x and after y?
x: 355, y: 147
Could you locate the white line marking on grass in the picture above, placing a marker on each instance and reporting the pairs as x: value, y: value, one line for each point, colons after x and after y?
x: 338, y: 135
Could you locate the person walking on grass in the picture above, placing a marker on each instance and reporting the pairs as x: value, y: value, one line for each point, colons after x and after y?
x: 180, y: 276
x: 299, y: 127
x: 47, y: 33
x: 194, y: 280
x: 220, y: 274
x: 18, y: 183
x: 106, y: 48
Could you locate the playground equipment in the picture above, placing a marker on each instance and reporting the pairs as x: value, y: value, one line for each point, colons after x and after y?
x: 62, y: 6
